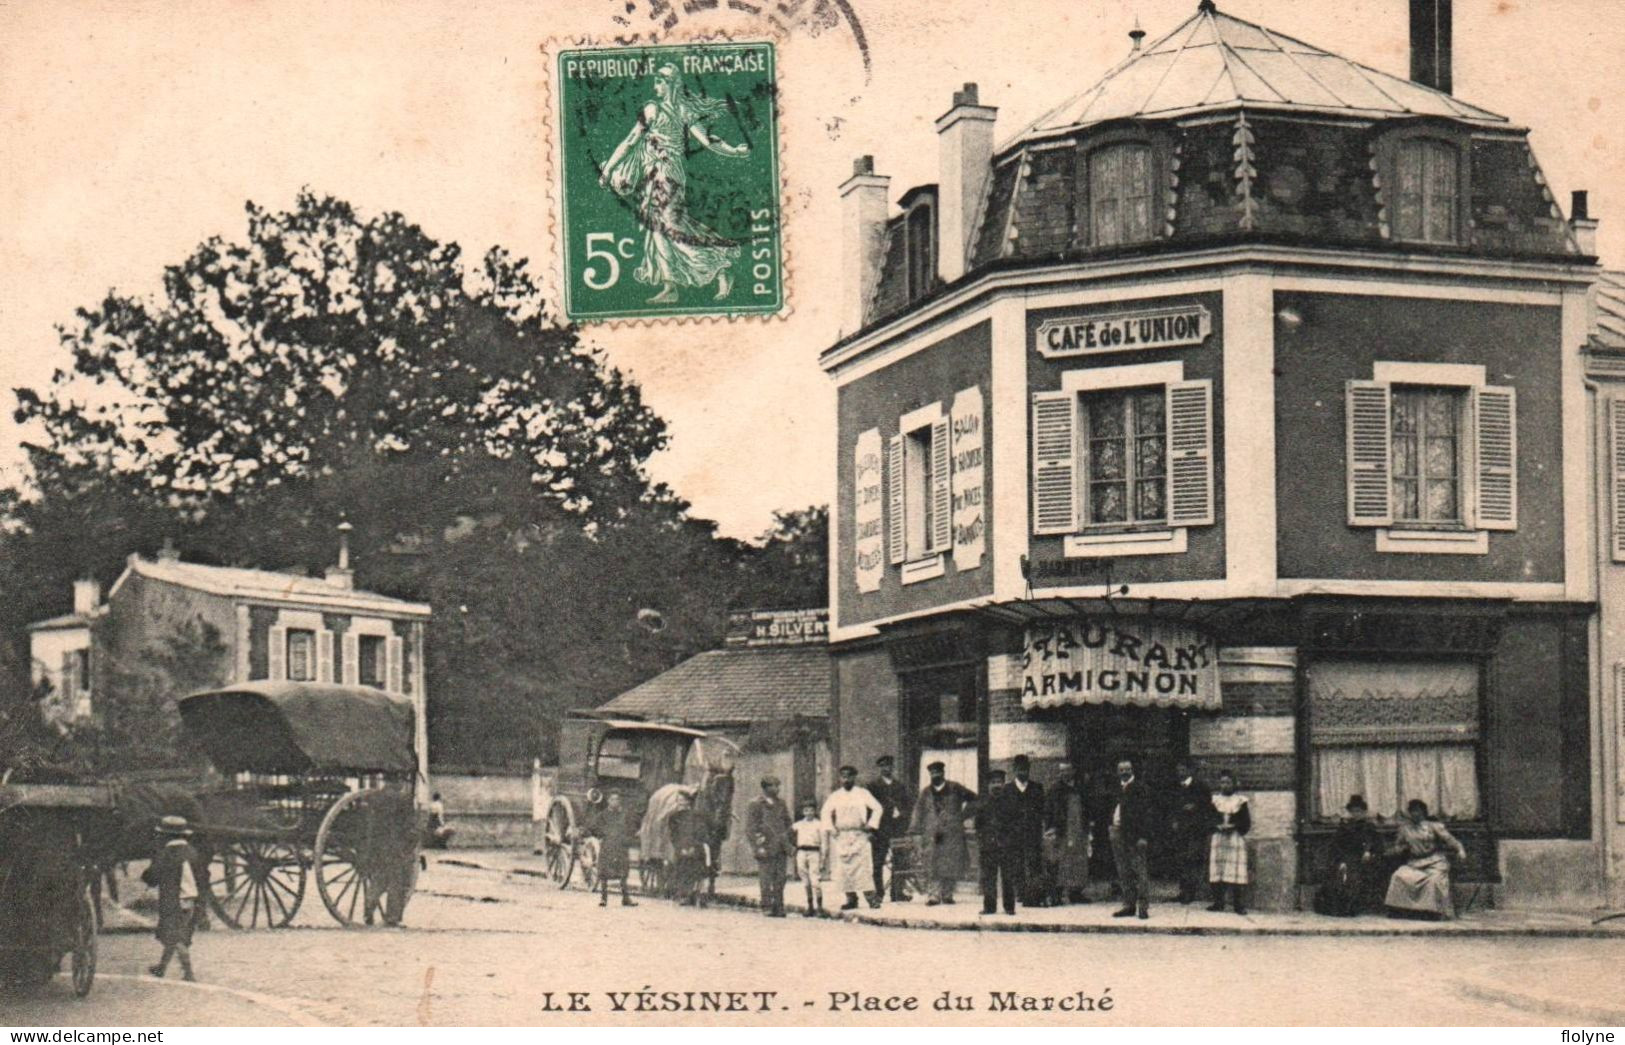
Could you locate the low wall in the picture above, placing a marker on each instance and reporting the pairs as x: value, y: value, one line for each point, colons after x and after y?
x: 486, y: 810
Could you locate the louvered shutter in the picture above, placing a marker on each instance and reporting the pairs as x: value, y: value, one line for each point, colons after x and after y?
x: 395, y: 680
x: 896, y: 533
x: 1616, y: 457
x: 1370, y: 454
x: 1055, y: 465
x: 277, y: 649
x: 941, y: 536
x: 351, y: 673
x: 324, y: 656
x: 1190, y: 453
x: 1495, y: 424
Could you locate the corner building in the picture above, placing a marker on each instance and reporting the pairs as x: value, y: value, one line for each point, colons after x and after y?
x: 1233, y: 410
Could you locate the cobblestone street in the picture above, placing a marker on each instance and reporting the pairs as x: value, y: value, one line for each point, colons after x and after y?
x: 485, y: 948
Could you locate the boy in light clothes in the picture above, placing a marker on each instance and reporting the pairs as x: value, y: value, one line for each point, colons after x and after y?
x: 809, y: 837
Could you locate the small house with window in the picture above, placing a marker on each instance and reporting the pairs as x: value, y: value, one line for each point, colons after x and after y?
x: 1232, y: 411
x: 265, y: 625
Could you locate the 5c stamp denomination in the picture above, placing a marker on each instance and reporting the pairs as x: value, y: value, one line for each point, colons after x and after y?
x: 668, y: 181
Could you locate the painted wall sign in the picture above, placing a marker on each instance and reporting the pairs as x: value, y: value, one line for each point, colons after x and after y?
x: 1118, y: 660
x: 778, y: 627
x: 1125, y: 331
x: 869, y: 543
x: 968, y: 445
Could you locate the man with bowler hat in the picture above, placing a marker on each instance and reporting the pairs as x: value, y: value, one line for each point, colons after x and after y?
x: 896, y: 800
x: 1026, y: 797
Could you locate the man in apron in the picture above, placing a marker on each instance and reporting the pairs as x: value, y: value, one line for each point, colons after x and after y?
x: 850, y: 814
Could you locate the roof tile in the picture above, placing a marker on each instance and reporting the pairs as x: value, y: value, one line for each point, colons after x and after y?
x: 726, y: 686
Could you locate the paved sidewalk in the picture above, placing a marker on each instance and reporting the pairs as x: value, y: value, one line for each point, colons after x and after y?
x: 1166, y: 917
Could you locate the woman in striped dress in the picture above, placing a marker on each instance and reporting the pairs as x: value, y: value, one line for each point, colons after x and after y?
x: 1227, y: 852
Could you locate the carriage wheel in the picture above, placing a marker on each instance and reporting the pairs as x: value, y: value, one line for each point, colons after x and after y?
x: 254, y: 882
x: 587, y: 858
x: 366, y: 822
x: 559, y: 844
x: 84, y: 945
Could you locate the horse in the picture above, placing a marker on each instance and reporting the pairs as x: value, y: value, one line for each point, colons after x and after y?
x: 711, y: 804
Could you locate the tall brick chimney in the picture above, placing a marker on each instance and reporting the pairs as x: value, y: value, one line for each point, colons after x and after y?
x: 863, y: 240
x: 1430, y: 43
x: 965, y: 159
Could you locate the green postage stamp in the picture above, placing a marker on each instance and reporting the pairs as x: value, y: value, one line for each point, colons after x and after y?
x: 669, y: 181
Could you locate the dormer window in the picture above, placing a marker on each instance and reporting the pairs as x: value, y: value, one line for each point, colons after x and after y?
x: 918, y: 232
x: 1121, y: 192
x: 1427, y: 193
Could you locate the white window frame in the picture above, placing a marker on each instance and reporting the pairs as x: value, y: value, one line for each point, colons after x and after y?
x: 1470, y: 538
x: 1091, y: 542
x: 922, y: 560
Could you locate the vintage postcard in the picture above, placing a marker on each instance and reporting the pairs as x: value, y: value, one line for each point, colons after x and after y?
x: 818, y: 514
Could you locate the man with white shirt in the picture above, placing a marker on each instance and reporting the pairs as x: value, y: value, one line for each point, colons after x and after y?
x: 850, y: 813
x: 1131, y: 841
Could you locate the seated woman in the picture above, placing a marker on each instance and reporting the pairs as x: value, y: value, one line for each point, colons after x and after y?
x: 1347, y: 888
x: 1422, y: 884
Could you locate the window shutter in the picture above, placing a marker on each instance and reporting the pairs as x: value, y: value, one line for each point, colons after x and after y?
x: 1495, y: 424
x: 394, y: 680
x: 1370, y: 454
x: 1616, y: 456
x: 68, y: 678
x: 351, y: 673
x: 277, y: 662
x: 324, y: 656
x: 896, y: 534
x: 1055, y: 466
x: 942, y: 505
x: 1190, y: 453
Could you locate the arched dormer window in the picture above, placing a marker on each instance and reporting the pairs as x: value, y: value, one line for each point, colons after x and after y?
x: 1122, y: 192
x: 1427, y: 191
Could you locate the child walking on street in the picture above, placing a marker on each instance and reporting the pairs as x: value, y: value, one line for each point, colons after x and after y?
x: 809, y: 836
x: 174, y: 872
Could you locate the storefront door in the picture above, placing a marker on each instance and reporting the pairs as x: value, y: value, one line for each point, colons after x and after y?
x: 1100, y: 736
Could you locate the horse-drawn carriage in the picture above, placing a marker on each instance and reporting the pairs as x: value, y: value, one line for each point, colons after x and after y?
x: 648, y: 764
x: 48, y: 880
x: 321, y: 785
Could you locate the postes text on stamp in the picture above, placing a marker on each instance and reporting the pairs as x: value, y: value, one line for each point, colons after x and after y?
x: 669, y: 181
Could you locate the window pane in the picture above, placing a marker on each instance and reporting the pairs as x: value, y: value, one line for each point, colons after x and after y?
x: 1106, y: 459
x: 1441, y: 413
x: 1441, y: 458
x: 1105, y: 417
x: 1107, y: 502
x: 1149, y: 458
x: 301, y: 667
x: 1405, y: 413
x: 1442, y: 500
x: 1148, y: 415
x: 1405, y: 455
x: 1405, y: 499
x: 1149, y: 500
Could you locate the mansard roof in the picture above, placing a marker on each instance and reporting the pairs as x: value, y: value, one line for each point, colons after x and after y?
x: 1215, y: 61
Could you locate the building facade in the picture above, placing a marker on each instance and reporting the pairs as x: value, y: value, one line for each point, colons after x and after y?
x: 270, y: 626
x: 1232, y: 411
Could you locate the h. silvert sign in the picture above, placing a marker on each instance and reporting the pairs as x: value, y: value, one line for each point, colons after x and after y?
x: 1167, y: 327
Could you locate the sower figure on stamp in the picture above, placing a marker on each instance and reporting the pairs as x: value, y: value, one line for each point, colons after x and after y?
x: 849, y: 814
x: 650, y: 162
x: 767, y: 825
x: 939, y: 821
x: 896, y: 800
x: 175, y: 872
x: 1132, y: 824
x: 1027, y: 798
x: 1191, y: 817
x: 615, y: 850
x: 999, y: 844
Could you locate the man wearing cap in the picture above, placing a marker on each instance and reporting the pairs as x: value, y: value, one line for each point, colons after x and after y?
x: 767, y: 825
x: 939, y: 820
x: 849, y: 814
x: 895, y: 799
x: 175, y: 872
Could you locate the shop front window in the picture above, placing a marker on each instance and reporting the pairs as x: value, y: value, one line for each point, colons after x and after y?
x: 1393, y: 731
x: 941, y: 719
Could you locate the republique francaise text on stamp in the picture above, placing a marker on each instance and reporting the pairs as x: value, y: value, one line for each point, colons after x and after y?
x: 668, y: 181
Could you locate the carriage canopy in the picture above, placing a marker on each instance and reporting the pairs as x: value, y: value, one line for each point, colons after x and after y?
x: 302, y: 727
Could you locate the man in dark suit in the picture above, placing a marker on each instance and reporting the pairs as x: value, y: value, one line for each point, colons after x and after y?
x: 1026, y: 796
x: 767, y: 825
x: 1191, y: 817
x: 897, y: 801
x: 1132, y: 823
x: 998, y: 844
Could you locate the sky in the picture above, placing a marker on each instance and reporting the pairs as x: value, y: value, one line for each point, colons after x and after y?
x: 131, y: 131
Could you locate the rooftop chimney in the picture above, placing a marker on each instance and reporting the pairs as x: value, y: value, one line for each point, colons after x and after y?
x: 965, y: 159
x: 1430, y: 43
x: 341, y: 576
x: 87, y: 595
x: 169, y: 553
x: 1582, y: 224
x: 863, y: 240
